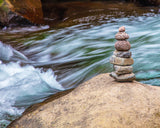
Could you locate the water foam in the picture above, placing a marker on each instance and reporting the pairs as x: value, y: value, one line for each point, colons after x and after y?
x: 21, y: 87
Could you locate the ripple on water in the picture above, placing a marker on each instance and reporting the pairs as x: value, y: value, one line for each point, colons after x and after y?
x: 20, y: 87
x: 75, y: 54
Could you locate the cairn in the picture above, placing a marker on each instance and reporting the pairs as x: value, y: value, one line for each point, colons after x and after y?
x: 121, y: 58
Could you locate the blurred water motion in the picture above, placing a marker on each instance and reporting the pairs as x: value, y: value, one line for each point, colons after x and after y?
x: 37, y: 62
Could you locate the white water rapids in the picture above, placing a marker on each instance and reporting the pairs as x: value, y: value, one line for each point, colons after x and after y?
x: 21, y: 86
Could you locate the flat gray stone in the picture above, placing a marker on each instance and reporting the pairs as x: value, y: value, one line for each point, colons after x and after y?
x: 119, y: 70
x: 123, y: 78
x: 121, y: 61
x: 122, y: 54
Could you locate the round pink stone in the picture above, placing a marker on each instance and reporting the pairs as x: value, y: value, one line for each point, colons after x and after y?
x: 122, y: 45
x: 122, y: 29
x: 121, y: 36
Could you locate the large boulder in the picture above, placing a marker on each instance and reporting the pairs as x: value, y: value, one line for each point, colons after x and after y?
x: 16, y: 12
x: 98, y: 103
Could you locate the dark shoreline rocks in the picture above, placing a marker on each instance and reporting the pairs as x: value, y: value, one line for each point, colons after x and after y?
x: 16, y: 13
x: 63, y: 13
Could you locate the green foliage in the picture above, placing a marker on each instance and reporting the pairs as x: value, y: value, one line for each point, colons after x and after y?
x: 1, y: 2
x: 3, y: 6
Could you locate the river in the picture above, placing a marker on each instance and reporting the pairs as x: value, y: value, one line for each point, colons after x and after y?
x: 37, y: 62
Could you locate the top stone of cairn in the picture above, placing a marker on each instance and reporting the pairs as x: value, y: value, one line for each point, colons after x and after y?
x: 122, y: 29
x: 121, y: 35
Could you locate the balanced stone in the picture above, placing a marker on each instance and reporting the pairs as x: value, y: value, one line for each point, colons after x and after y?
x: 122, y: 29
x: 122, y: 45
x: 124, y: 77
x: 121, y: 61
x: 122, y: 54
x: 121, y: 58
x: 121, y: 36
x: 119, y: 70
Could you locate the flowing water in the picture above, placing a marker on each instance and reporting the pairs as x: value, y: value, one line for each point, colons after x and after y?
x: 37, y: 62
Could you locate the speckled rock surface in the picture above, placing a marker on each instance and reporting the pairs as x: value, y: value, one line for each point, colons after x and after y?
x: 122, y: 45
x: 124, y: 77
x: 122, y: 54
x: 119, y: 70
x: 98, y: 103
x: 121, y: 36
x: 121, y: 61
x: 122, y: 29
x: 121, y: 58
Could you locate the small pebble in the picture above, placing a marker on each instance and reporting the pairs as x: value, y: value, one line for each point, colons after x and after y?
x: 122, y: 29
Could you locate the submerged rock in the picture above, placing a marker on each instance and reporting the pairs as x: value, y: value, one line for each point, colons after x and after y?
x: 100, y: 102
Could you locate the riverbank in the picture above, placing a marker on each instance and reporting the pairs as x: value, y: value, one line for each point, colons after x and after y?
x: 100, y: 102
x: 63, y: 14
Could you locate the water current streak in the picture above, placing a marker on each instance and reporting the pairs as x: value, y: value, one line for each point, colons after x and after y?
x: 38, y: 62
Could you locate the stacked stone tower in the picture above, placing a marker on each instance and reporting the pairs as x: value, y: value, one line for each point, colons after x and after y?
x: 121, y: 58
